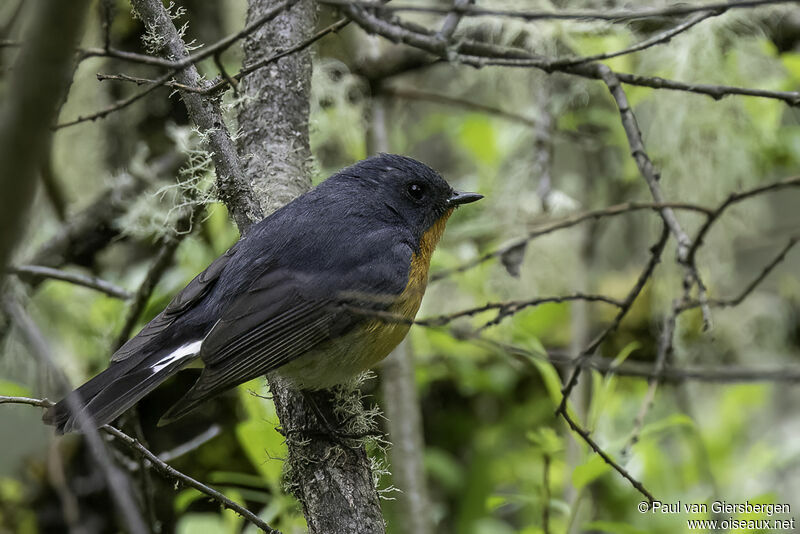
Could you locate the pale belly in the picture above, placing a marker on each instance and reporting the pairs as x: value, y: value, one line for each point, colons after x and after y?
x: 338, y: 361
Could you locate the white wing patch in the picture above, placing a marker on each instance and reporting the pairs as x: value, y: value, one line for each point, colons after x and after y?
x: 187, y: 351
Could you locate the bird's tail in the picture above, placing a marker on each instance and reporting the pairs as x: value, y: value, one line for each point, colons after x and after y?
x: 106, y: 396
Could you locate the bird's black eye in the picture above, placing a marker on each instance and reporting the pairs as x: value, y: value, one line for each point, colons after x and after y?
x: 416, y: 190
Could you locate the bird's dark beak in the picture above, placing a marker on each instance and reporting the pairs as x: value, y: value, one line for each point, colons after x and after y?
x: 458, y: 198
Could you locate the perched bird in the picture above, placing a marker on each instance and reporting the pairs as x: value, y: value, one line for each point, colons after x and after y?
x: 314, y: 292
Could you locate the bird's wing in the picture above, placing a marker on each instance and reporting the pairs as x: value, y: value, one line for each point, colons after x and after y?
x: 183, y: 301
x: 285, y: 314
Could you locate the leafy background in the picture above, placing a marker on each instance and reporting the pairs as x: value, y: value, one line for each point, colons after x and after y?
x: 489, y: 427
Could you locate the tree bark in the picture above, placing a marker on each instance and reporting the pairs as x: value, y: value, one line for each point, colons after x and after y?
x: 333, y: 480
x: 233, y: 187
x: 274, y: 143
x: 41, y: 75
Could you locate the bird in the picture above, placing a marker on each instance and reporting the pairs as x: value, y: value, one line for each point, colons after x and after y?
x: 318, y: 291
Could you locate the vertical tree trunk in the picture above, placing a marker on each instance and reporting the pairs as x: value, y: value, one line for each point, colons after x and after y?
x: 332, y: 480
x: 273, y: 117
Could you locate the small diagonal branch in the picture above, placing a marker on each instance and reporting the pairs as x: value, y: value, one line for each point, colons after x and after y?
x: 738, y: 299
x: 584, y: 434
x: 665, y: 347
x: 651, y: 177
x: 118, y: 484
x: 163, y: 80
x: 615, y: 16
x: 92, y: 282
x: 568, y: 222
x: 655, y: 257
x: 235, y: 189
x: 660, y: 38
x: 507, y: 309
x: 452, y: 19
x: 162, y: 467
x: 171, y: 473
x: 735, y: 198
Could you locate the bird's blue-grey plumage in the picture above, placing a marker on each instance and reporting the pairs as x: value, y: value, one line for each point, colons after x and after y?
x: 284, y: 289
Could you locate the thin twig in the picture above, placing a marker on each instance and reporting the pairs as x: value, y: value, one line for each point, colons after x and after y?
x: 735, y: 198
x: 661, y: 38
x: 568, y: 222
x: 171, y: 473
x: 616, y: 16
x: 162, y: 467
x: 506, y: 309
x: 655, y: 257
x: 160, y: 264
x: 665, y: 347
x: 738, y: 299
x: 118, y: 484
x: 117, y: 105
x: 92, y: 282
x: 584, y: 434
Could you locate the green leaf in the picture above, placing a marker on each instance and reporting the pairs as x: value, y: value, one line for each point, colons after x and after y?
x: 202, y: 524
x: 185, y: 498
x: 262, y: 443
x: 590, y: 471
x: 13, y: 389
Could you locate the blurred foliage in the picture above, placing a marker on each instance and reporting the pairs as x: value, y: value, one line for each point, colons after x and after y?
x: 489, y: 425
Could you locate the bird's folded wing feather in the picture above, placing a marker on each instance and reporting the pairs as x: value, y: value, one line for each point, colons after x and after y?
x: 285, y: 313
x: 184, y: 300
x: 270, y: 325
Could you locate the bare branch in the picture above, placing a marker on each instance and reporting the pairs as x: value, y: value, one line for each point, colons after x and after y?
x: 171, y: 473
x: 584, y: 434
x: 506, y: 309
x: 162, y: 467
x: 655, y: 258
x: 568, y: 222
x: 661, y: 38
x: 735, y: 301
x: 92, y: 282
x: 118, y: 484
x: 735, y: 198
x: 608, y: 15
x: 480, y: 54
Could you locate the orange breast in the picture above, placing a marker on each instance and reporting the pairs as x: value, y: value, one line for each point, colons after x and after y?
x: 388, y: 334
x: 345, y: 357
